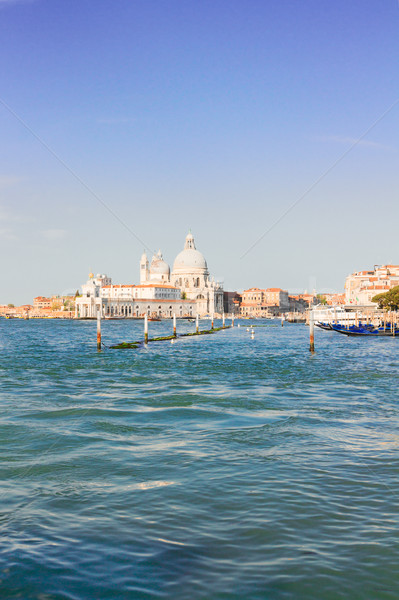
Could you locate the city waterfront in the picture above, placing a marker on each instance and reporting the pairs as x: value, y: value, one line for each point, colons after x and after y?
x: 216, y: 467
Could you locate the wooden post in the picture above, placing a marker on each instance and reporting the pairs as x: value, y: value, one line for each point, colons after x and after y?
x: 213, y: 316
x: 99, y: 329
x: 197, y: 323
x: 311, y: 331
x: 282, y: 321
x: 146, y: 328
x: 174, y: 324
x: 232, y: 319
x: 224, y: 320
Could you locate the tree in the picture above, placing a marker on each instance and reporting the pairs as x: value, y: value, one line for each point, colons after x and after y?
x: 56, y: 305
x: 321, y: 299
x: 183, y: 296
x: 10, y: 306
x: 388, y: 300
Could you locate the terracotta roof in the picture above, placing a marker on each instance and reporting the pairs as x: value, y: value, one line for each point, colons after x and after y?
x: 131, y: 285
x: 166, y: 300
x: 156, y: 285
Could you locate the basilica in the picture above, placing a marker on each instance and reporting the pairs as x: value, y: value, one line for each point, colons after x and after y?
x: 186, y: 291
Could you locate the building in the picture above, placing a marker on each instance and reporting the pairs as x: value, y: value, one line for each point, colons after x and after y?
x: 268, y: 302
x: 129, y: 301
x: 332, y: 298
x: 187, y: 291
x: 231, y: 302
x: 42, y: 302
x: 278, y: 297
x: 190, y: 274
x: 362, y: 286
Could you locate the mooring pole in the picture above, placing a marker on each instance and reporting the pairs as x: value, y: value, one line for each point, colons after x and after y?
x: 213, y: 316
x: 223, y: 320
x: 282, y: 321
x: 174, y: 324
x: 99, y: 329
x: 197, y: 324
x: 311, y: 331
x: 146, y: 328
x: 232, y: 319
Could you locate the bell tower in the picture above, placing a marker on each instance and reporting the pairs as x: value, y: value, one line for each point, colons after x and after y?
x: 144, y: 269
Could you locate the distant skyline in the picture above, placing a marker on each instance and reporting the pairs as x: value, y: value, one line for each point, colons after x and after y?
x: 216, y: 116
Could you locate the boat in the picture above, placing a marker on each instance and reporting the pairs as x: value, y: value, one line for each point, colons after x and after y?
x: 367, y: 331
x: 325, y: 326
x: 154, y: 319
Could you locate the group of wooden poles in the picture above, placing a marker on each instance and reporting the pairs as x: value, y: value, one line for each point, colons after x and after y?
x: 197, y: 331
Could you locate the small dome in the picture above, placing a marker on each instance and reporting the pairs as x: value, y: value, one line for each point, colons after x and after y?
x: 91, y: 275
x: 158, y: 265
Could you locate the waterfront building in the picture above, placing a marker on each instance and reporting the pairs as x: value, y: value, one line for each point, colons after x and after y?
x: 41, y: 302
x: 333, y: 298
x: 362, y: 286
x: 257, y: 302
x: 187, y: 291
x: 279, y: 297
x: 232, y: 301
x: 298, y: 304
x: 129, y: 300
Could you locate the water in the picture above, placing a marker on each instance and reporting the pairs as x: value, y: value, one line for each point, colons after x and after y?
x: 218, y: 467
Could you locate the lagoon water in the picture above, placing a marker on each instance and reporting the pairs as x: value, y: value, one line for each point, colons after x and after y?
x: 218, y: 467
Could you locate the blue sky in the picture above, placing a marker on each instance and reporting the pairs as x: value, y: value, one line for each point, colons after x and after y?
x: 215, y: 115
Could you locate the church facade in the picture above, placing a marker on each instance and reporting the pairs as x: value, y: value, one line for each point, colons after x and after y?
x: 186, y: 291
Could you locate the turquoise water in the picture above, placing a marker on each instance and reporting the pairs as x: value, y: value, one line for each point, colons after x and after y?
x: 217, y: 467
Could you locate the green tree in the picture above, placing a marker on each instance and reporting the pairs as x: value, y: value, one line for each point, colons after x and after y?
x: 388, y: 300
x: 10, y: 305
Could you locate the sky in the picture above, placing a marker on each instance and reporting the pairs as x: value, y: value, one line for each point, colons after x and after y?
x: 124, y: 124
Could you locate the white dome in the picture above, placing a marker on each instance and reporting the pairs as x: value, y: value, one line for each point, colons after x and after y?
x: 159, y: 266
x: 189, y: 259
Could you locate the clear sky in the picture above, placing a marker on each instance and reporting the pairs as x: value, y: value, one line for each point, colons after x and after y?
x: 211, y: 114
